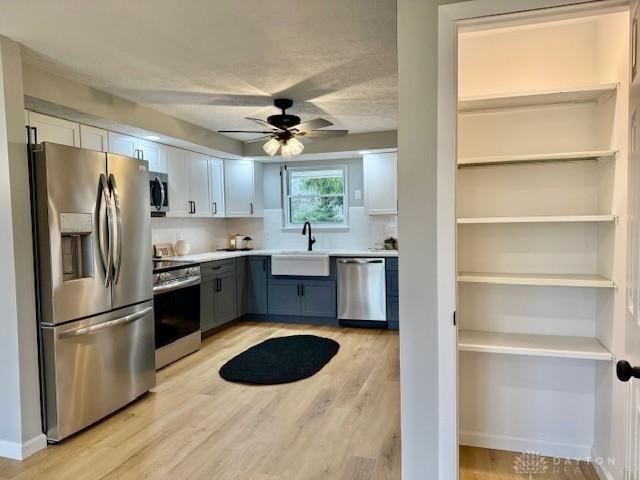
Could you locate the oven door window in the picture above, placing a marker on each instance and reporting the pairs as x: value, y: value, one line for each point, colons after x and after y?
x: 177, y: 314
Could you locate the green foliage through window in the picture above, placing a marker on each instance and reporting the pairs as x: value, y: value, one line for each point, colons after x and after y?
x: 316, y: 196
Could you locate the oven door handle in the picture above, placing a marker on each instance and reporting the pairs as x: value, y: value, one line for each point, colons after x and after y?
x: 176, y: 285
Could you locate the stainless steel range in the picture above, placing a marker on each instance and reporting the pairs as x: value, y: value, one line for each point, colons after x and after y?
x: 176, y: 298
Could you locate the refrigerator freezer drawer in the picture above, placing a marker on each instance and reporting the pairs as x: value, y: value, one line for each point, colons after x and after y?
x: 95, y: 366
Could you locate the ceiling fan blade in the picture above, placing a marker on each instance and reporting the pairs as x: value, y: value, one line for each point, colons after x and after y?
x: 314, y: 124
x: 244, y: 131
x: 258, y: 139
x: 325, y: 134
x: 265, y: 124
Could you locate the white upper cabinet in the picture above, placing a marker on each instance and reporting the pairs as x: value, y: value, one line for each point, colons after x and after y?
x: 123, y: 144
x: 216, y: 187
x: 198, y: 184
x: 94, y: 138
x: 54, y: 130
x: 177, y: 170
x: 243, y: 188
x: 154, y: 153
x: 380, y: 183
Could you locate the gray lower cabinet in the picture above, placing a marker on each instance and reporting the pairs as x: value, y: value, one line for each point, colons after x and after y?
x: 241, y: 287
x: 218, y: 294
x: 284, y: 297
x: 257, y: 285
x: 393, y: 292
x: 318, y: 299
x: 225, y: 299
x: 307, y: 298
x: 207, y: 306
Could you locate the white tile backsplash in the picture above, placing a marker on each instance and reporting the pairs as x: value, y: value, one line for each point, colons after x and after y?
x: 364, y: 231
x: 208, y: 234
x: 202, y: 234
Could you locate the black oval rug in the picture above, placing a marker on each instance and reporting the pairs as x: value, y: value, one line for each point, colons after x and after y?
x: 280, y: 360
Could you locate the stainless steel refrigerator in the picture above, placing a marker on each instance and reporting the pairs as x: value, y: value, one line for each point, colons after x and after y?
x: 94, y: 273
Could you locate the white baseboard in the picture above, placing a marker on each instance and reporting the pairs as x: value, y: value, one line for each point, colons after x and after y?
x: 601, y: 468
x: 517, y: 444
x: 20, y: 451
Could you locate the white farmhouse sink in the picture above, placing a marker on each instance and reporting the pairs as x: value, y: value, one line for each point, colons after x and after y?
x: 300, y: 264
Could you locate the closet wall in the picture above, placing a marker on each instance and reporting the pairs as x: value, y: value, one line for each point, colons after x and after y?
x: 541, y: 189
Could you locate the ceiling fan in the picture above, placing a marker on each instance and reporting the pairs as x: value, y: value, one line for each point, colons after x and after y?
x: 283, y: 130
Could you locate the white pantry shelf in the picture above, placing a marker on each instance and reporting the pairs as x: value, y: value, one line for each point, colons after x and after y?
x: 534, y: 98
x: 534, y: 279
x: 535, y: 158
x: 585, y: 348
x: 537, y: 219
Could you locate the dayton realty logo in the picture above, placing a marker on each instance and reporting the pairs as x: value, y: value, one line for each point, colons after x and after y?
x: 530, y: 463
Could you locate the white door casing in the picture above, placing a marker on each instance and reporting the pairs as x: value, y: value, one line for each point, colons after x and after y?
x: 632, y: 328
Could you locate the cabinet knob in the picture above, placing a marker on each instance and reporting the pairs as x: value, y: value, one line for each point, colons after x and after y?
x: 625, y: 371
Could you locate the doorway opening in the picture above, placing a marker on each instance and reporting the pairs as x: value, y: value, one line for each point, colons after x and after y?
x: 541, y: 252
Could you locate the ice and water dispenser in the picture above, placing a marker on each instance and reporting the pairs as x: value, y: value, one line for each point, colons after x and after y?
x: 76, y: 230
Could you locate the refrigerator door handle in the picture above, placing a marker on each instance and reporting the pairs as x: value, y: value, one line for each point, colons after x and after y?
x: 102, y: 326
x: 118, y: 251
x: 105, y: 206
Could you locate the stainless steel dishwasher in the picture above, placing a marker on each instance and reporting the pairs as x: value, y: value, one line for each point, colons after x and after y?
x: 362, y: 290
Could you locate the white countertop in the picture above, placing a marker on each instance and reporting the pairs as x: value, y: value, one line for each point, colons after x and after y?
x: 218, y: 255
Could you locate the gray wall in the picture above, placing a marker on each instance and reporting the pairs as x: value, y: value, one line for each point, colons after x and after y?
x: 19, y: 387
x: 272, y: 179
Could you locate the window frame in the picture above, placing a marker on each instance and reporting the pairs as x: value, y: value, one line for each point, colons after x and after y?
x: 286, y: 196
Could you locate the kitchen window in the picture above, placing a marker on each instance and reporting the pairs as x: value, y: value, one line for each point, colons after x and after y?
x: 317, y: 195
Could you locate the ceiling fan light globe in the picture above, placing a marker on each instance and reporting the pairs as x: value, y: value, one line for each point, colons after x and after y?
x: 295, y: 146
x: 271, y: 147
x: 286, y: 152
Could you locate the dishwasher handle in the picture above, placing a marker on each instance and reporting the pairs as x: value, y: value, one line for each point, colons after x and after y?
x: 361, y: 261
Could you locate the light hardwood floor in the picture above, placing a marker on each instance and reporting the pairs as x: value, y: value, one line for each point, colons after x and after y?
x: 343, y: 423
x: 482, y: 464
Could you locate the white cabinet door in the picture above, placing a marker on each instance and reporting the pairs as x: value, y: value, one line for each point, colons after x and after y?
x: 154, y: 153
x: 94, y: 138
x: 198, y: 184
x: 178, y: 186
x: 258, y: 190
x: 123, y: 144
x: 380, y: 184
x: 55, y: 130
x: 216, y: 186
x: 239, y: 188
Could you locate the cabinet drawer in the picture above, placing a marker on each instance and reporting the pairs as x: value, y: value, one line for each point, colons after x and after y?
x: 211, y: 269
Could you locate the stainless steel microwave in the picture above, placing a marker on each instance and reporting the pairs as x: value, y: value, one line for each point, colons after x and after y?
x: 159, y: 193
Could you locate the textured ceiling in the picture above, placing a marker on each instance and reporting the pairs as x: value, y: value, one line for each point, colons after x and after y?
x: 214, y: 62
